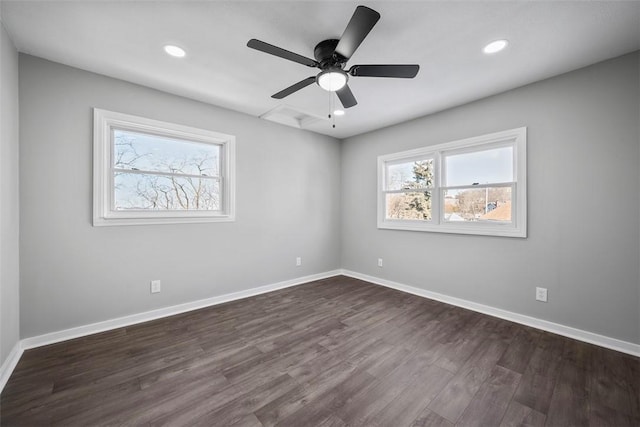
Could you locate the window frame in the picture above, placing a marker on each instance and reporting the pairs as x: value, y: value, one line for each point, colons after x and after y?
x: 104, y: 122
x: 516, y: 138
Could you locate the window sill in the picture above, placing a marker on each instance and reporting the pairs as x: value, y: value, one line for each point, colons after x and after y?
x: 115, y: 221
x: 504, y: 230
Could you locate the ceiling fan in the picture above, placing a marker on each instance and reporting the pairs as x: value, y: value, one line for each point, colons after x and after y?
x: 331, y: 57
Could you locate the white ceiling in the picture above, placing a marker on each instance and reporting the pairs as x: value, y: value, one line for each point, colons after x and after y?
x: 124, y: 39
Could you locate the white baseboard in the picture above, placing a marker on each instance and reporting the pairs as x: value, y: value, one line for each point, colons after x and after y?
x: 133, y: 319
x: 10, y: 364
x: 556, y: 328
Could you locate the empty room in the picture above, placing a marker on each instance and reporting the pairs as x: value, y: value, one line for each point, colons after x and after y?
x: 320, y: 213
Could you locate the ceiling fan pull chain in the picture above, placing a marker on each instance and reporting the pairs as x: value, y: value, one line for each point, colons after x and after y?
x: 332, y: 114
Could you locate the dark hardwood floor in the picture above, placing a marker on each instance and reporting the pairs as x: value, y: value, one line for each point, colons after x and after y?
x: 336, y: 352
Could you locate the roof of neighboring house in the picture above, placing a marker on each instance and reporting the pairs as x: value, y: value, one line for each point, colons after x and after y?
x: 501, y: 213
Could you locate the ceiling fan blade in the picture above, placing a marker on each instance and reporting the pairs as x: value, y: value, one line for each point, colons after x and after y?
x: 398, y: 71
x: 294, y: 88
x: 282, y: 53
x: 361, y: 23
x: 346, y: 97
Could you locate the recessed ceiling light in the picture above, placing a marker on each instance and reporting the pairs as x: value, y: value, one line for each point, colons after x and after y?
x: 176, y: 51
x: 495, y: 46
x: 338, y: 113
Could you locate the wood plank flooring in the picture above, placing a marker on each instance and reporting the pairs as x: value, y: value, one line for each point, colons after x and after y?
x: 336, y: 352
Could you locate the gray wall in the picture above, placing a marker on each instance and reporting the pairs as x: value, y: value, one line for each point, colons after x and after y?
x: 288, y: 195
x: 583, y: 204
x: 9, y: 263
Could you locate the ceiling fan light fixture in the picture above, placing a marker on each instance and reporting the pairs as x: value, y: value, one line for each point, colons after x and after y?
x: 332, y: 80
x: 175, y: 51
x: 495, y: 46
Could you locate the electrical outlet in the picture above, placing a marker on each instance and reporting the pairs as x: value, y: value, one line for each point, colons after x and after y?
x: 379, y: 262
x: 155, y: 286
x: 541, y: 294
x: 298, y: 261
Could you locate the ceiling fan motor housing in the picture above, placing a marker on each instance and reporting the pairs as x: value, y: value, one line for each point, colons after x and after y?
x: 325, y: 54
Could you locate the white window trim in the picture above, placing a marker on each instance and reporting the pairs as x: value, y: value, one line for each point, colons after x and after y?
x: 104, y: 121
x: 516, y: 228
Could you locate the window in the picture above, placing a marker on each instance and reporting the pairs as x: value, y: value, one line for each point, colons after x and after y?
x: 152, y: 172
x: 472, y: 186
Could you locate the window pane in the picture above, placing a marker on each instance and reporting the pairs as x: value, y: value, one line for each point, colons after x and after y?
x: 482, y: 204
x: 482, y: 167
x: 153, y: 192
x: 133, y: 150
x: 409, y: 205
x: 410, y: 175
